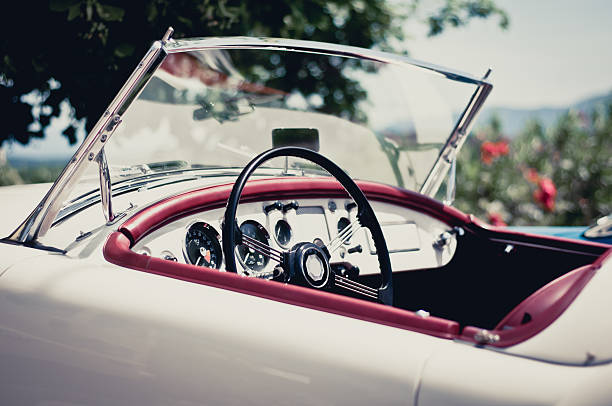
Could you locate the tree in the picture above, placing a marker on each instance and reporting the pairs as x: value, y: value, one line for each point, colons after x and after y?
x: 559, y: 176
x: 78, y: 53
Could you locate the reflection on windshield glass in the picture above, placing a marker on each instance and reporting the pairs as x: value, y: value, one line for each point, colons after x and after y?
x: 220, y: 108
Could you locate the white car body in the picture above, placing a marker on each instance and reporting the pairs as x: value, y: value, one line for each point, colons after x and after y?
x: 77, y: 329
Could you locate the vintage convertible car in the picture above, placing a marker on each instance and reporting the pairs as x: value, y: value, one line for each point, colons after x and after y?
x: 252, y: 221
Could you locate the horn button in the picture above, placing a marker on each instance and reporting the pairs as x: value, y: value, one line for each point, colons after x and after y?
x: 314, y: 267
x: 311, y: 264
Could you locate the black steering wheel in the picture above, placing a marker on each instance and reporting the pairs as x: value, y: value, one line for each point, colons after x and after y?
x: 307, y: 263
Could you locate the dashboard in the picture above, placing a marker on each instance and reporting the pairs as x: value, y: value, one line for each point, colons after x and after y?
x: 412, y: 237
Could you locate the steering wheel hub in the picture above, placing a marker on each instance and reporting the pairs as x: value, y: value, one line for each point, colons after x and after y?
x: 311, y: 264
x: 314, y: 267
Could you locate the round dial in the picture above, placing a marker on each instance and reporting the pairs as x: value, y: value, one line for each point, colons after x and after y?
x: 250, y: 258
x: 202, y: 246
x: 343, y: 223
x: 282, y: 233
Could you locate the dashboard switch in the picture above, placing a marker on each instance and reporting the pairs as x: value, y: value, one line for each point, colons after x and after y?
x: 274, y: 206
x: 350, y: 206
x: 356, y: 248
x: 292, y: 205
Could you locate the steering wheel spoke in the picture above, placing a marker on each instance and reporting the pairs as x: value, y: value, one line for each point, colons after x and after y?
x: 344, y: 235
x: 262, y: 248
x: 355, y: 287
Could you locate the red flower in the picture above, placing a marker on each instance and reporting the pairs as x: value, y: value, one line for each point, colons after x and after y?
x: 532, y: 175
x: 503, y: 148
x: 488, y: 151
x: 545, y: 194
x: 495, y: 219
x: 491, y: 150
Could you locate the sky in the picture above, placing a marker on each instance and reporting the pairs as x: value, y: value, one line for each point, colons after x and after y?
x: 554, y: 53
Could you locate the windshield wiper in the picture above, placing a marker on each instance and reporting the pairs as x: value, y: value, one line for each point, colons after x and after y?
x: 143, y: 169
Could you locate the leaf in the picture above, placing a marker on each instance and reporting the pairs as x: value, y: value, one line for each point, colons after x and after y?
x: 74, y: 11
x: 124, y: 50
x: 185, y: 21
x: 151, y: 12
x: 44, y: 121
x: 70, y: 133
x: 61, y: 5
x: 110, y: 13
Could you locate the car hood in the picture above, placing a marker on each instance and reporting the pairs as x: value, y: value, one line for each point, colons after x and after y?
x: 16, y: 202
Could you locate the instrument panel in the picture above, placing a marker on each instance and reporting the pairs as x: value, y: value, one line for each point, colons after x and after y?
x: 410, y: 235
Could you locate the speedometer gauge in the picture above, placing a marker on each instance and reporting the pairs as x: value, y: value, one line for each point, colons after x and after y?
x: 250, y: 258
x: 202, y: 246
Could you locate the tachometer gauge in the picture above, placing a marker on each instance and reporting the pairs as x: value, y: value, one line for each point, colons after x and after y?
x: 250, y: 258
x: 202, y: 246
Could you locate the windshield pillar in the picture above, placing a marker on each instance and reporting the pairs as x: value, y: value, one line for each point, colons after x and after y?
x: 451, y: 181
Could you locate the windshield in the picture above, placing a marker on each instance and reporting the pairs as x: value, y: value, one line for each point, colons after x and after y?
x: 219, y: 108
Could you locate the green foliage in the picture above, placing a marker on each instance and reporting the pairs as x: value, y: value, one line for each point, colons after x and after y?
x: 41, y: 172
x: 89, y: 47
x: 9, y: 175
x: 457, y: 13
x: 575, y: 155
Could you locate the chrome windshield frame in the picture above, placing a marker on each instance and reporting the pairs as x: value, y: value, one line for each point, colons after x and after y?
x: 42, y: 218
x: 457, y: 138
x: 283, y: 44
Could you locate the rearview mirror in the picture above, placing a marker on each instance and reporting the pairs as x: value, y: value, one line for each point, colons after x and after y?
x: 296, y: 137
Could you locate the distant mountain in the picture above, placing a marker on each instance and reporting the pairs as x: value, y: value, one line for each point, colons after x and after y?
x: 514, y: 120
x: 590, y: 104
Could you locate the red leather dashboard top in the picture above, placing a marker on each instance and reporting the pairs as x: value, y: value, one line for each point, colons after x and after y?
x: 118, y: 248
x: 213, y: 197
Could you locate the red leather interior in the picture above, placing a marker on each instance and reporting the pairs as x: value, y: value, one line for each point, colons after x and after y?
x: 551, y: 297
x: 541, y: 308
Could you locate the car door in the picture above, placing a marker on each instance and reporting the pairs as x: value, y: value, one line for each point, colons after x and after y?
x: 82, y: 331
